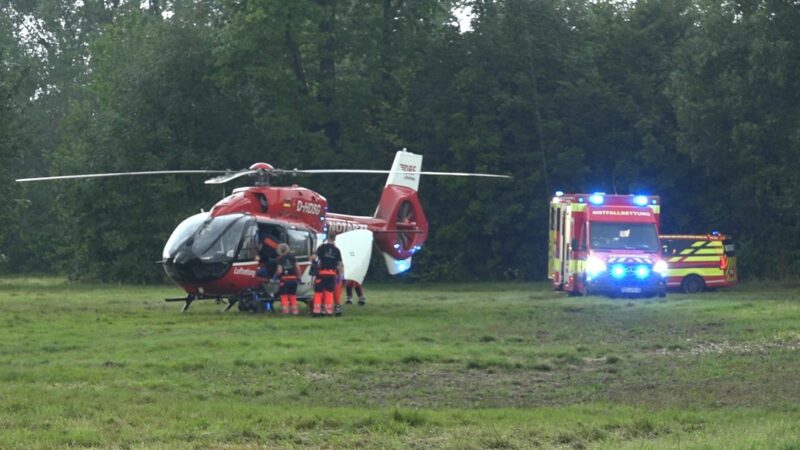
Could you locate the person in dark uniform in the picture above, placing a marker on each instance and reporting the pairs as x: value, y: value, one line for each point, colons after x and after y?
x: 353, y: 284
x: 329, y: 261
x: 268, y: 264
x: 287, y: 273
x: 267, y: 257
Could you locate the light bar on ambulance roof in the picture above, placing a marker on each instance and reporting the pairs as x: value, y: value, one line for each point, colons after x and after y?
x: 596, y: 199
x: 640, y: 200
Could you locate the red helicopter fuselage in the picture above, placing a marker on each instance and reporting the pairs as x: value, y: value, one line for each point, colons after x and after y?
x: 215, y: 254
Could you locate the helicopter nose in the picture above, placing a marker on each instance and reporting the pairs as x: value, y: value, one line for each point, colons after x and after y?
x: 186, y: 267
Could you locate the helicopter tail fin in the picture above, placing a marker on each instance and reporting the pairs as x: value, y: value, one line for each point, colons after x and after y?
x: 406, y: 226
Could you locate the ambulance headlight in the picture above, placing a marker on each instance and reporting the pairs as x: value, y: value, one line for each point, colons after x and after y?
x: 661, y: 267
x: 595, y: 266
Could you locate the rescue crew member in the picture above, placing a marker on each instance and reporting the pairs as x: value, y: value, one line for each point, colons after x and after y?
x: 287, y: 273
x: 353, y: 284
x: 267, y: 257
x: 267, y: 261
x: 337, y: 294
x: 330, y: 265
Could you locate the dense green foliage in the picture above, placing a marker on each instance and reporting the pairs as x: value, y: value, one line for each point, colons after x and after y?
x: 503, y: 366
x: 689, y: 99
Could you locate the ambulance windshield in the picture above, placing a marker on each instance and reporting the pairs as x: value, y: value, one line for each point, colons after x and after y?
x: 623, y: 236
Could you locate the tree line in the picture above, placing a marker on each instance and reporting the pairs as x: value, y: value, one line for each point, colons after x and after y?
x: 694, y: 100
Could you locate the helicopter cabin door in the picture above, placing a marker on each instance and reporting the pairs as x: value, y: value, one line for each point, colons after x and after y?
x: 356, y: 249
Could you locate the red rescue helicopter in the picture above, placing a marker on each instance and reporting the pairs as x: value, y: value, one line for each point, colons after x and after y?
x: 213, y: 255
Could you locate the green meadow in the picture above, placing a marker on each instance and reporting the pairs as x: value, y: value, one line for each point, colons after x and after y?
x: 501, y: 366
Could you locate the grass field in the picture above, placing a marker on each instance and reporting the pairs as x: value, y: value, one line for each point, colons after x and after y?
x: 440, y: 366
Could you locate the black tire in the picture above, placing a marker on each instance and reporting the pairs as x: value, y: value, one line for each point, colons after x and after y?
x: 692, y: 284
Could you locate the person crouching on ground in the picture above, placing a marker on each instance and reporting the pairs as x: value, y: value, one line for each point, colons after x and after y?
x: 287, y: 273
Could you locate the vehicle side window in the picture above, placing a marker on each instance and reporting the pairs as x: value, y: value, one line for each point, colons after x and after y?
x: 676, y: 246
x: 730, y: 248
x: 275, y: 232
x: 300, y: 243
x: 249, y: 247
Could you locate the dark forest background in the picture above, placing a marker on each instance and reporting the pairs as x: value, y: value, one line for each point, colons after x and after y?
x: 697, y: 101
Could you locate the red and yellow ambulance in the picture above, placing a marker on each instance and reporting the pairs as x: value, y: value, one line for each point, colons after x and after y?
x: 699, y: 262
x: 606, y: 244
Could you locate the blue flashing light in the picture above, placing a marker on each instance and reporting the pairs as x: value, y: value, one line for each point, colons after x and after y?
x: 640, y: 200
x: 596, y: 199
x: 618, y: 271
x: 642, y: 272
x: 401, y: 265
x: 396, y: 245
x: 559, y: 193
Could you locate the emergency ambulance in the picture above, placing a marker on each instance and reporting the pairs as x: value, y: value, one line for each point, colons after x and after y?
x: 697, y: 262
x: 606, y: 244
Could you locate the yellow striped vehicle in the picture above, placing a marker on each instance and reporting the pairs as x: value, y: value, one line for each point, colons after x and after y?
x: 699, y: 262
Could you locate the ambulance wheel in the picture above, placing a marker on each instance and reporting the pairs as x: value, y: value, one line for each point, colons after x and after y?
x: 692, y: 284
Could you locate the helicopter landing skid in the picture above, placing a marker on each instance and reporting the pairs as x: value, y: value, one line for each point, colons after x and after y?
x: 244, y: 303
x: 191, y: 298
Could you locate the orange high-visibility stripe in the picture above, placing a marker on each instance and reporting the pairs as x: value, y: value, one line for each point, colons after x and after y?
x: 288, y: 278
x: 285, y: 304
x: 337, y: 294
x: 327, y: 272
x: 317, y: 303
x: 328, y: 302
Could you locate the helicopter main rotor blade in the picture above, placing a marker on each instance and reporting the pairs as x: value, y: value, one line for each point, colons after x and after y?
x: 452, y: 174
x: 230, y: 176
x: 119, y: 174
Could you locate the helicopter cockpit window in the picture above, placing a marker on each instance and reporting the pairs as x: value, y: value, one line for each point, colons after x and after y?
x: 300, y: 243
x: 182, y: 233
x: 219, y: 237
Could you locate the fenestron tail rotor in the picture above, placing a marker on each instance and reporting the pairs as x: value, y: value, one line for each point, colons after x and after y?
x: 406, y: 225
